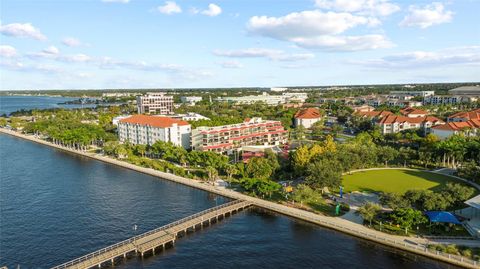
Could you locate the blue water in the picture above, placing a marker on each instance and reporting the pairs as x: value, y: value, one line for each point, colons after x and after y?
x: 55, y: 206
x: 9, y: 104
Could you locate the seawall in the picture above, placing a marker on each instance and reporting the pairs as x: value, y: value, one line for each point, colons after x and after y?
x: 408, y: 244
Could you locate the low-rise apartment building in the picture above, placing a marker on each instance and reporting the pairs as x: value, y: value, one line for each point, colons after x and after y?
x: 155, y: 103
x: 146, y: 130
x: 394, y: 123
x: 465, y: 116
x: 227, y: 138
x: 448, y: 99
x: 413, y: 112
x: 469, y: 128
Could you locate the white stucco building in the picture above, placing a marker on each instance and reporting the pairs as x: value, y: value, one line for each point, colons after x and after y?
x: 307, y: 117
x: 146, y: 130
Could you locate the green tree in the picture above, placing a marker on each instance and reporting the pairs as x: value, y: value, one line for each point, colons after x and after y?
x: 386, y: 154
x: 408, y: 217
x: 369, y: 210
x: 393, y: 200
x: 325, y: 172
x: 3, y: 122
x: 212, y: 173
x: 258, y: 167
x: 231, y: 170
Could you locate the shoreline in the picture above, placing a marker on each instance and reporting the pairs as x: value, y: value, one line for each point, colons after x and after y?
x: 409, y: 244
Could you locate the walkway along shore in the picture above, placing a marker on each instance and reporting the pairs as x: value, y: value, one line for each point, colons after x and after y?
x: 410, y: 244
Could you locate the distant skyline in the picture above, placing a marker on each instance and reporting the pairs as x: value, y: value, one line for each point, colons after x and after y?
x: 99, y: 44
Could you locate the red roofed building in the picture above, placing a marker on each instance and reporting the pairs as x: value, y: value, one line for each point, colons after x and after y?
x: 146, y: 130
x: 412, y: 112
x: 394, y: 123
x: 227, y: 138
x: 374, y: 114
x: 307, y: 117
x: 470, y: 127
x: 465, y: 116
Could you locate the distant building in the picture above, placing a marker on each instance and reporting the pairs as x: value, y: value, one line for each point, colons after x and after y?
x: 119, y: 94
x: 190, y: 100
x: 190, y: 116
x: 295, y: 97
x: 465, y: 116
x: 146, y: 130
x: 277, y: 89
x: 413, y: 112
x: 155, y: 103
x: 251, y: 99
x: 373, y: 114
x: 307, y: 117
x: 227, y: 138
x: 394, y: 124
x: 466, y: 90
x: 362, y: 108
x: 470, y: 128
x: 448, y: 99
x: 414, y: 93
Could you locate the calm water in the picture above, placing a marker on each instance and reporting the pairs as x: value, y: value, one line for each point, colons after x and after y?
x: 9, y: 104
x: 55, y: 206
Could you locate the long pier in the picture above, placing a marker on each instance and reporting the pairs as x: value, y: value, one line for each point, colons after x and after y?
x: 148, y: 242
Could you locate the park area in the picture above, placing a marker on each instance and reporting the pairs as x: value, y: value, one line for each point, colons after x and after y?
x: 395, y: 180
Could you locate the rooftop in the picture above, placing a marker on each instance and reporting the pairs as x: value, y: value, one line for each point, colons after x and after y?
x: 309, y: 113
x: 457, y: 126
x: 154, y: 121
x: 470, y: 115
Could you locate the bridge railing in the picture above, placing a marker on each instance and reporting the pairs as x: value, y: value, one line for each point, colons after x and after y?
x: 135, y: 238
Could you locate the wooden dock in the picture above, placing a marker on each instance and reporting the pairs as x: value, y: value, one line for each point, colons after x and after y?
x: 158, y: 238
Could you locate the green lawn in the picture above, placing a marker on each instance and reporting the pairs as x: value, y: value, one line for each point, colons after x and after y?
x: 398, y: 181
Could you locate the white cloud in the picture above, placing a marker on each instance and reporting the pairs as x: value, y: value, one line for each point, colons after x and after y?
x: 169, y: 8
x: 317, y: 29
x: 231, y: 64
x: 427, y: 16
x: 51, y: 50
x: 213, y: 10
x: 116, y: 1
x: 367, y: 7
x: 26, y: 30
x: 272, y: 54
x: 345, y: 43
x: 72, y: 42
x: 22, y: 67
x: 467, y: 55
x: 7, y: 51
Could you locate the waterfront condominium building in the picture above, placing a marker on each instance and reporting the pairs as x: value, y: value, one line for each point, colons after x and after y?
x: 146, y: 130
x: 155, y: 103
x: 227, y: 138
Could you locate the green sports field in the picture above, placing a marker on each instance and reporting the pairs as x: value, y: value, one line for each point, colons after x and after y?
x: 398, y: 181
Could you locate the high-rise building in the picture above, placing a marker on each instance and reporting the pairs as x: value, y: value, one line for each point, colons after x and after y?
x: 155, y: 103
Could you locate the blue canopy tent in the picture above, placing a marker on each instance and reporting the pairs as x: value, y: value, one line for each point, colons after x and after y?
x: 442, y: 216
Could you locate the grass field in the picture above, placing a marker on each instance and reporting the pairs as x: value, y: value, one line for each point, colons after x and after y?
x: 398, y: 181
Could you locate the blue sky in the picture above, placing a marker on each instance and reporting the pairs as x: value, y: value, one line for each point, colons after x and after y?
x: 236, y: 43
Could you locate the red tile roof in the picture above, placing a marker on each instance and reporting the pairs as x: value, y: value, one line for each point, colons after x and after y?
x: 309, y: 113
x: 401, y: 119
x: 154, y: 121
x: 455, y: 126
x: 374, y: 113
x: 414, y: 111
x: 469, y: 115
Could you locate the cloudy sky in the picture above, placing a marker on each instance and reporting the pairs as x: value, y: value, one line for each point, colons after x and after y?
x: 191, y: 43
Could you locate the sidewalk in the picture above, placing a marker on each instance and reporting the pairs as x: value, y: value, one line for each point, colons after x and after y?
x: 410, y: 244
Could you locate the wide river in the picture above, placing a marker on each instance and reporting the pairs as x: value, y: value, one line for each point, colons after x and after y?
x: 9, y: 104
x: 55, y: 206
